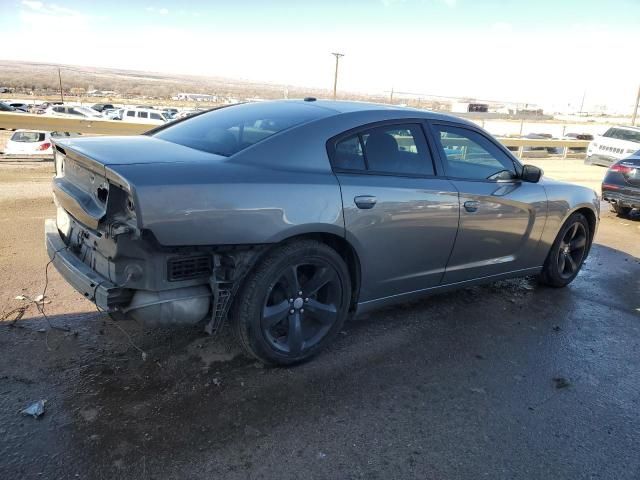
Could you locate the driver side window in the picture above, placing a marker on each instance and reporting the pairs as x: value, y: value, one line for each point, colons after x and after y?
x: 469, y: 155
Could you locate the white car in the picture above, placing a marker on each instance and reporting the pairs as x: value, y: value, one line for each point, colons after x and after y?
x: 615, y: 144
x: 72, y: 112
x: 112, y: 113
x: 144, y: 115
x: 29, y: 142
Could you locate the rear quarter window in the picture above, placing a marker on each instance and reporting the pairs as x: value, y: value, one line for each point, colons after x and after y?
x: 228, y: 130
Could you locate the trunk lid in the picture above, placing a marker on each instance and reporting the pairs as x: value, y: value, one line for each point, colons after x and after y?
x: 82, y: 182
x: 630, y: 170
x: 134, y: 150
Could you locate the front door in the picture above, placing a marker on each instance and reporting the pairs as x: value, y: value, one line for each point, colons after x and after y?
x: 400, y: 217
x: 501, y: 217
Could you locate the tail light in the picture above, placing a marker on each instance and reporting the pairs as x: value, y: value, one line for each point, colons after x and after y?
x: 44, y: 146
x: 623, y: 169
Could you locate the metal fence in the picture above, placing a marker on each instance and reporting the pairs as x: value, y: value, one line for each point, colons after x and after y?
x: 13, y: 121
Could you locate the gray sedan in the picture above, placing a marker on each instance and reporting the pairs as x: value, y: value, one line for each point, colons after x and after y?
x: 291, y: 215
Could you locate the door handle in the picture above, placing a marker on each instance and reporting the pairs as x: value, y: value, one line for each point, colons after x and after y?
x: 365, y: 202
x: 471, y: 205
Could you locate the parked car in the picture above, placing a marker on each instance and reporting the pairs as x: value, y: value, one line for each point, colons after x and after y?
x: 5, y: 107
x: 185, y: 114
x: 615, y: 144
x: 112, y: 113
x: 29, y: 142
x: 578, y: 136
x: 143, y: 115
x: 621, y: 185
x: 101, y: 107
x: 20, y: 107
x: 294, y: 214
x: 75, y: 112
x: 170, y: 113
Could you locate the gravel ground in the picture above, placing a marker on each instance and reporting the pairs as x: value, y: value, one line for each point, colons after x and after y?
x: 508, y: 380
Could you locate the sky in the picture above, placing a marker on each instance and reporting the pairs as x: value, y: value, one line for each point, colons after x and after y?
x: 548, y: 52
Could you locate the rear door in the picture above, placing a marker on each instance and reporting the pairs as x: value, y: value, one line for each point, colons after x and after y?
x: 401, y: 218
x: 501, y: 217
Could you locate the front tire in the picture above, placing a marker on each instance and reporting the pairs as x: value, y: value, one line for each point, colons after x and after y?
x: 293, y: 304
x: 567, y: 253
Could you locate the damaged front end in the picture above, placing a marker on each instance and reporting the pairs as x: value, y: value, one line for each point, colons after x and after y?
x: 100, y: 248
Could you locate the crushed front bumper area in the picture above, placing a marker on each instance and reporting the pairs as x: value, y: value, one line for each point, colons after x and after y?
x: 100, y: 290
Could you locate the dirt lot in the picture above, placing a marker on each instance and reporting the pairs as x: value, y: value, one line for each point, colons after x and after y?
x: 508, y: 380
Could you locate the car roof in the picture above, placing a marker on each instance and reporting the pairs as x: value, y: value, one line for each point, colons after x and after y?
x: 339, y: 107
x: 28, y: 131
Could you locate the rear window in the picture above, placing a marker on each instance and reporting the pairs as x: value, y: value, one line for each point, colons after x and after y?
x: 623, y: 134
x: 28, y: 137
x: 226, y: 131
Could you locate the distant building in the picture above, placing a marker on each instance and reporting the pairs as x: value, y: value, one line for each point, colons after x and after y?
x: 196, y: 97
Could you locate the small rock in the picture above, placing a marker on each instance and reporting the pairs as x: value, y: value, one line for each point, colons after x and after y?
x: 561, y: 382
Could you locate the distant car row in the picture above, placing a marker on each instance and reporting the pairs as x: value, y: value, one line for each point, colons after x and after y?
x: 138, y: 114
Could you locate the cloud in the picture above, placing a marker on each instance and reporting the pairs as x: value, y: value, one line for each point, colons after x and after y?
x: 33, y: 5
x: 161, y: 11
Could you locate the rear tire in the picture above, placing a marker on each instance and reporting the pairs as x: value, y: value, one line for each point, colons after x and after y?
x: 567, y: 253
x: 620, y: 210
x: 293, y: 304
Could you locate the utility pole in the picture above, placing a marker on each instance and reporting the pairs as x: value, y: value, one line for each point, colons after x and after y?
x: 335, y: 77
x: 60, y: 80
x: 391, y: 96
x: 635, y: 109
x: 582, y: 103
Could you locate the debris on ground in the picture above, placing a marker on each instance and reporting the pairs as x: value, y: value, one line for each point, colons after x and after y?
x: 561, y: 382
x: 35, y: 410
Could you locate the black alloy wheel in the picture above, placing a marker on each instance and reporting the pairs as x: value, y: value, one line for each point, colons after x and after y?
x: 572, y: 249
x: 568, y: 252
x: 301, y: 306
x: 294, y: 303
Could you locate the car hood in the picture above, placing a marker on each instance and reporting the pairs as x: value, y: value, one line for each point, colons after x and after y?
x: 131, y: 150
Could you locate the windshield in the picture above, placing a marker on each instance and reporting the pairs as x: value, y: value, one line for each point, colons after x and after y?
x: 623, y: 134
x: 228, y: 130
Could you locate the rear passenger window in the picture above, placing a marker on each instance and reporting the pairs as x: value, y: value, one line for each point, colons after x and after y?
x: 390, y: 149
x: 143, y: 114
x: 155, y: 116
x: 131, y: 113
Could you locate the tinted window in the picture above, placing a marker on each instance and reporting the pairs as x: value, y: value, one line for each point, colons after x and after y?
x: 155, y: 116
x: 28, y: 137
x: 349, y: 155
x: 623, y: 134
x: 393, y: 149
x: 143, y: 115
x: 131, y: 113
x: 469, y: 154
x: 228, y: 130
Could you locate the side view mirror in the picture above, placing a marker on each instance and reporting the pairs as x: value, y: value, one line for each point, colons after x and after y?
x: 531, y: 174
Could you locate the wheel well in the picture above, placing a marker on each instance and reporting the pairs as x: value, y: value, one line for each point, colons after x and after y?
x: 591, y: 219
